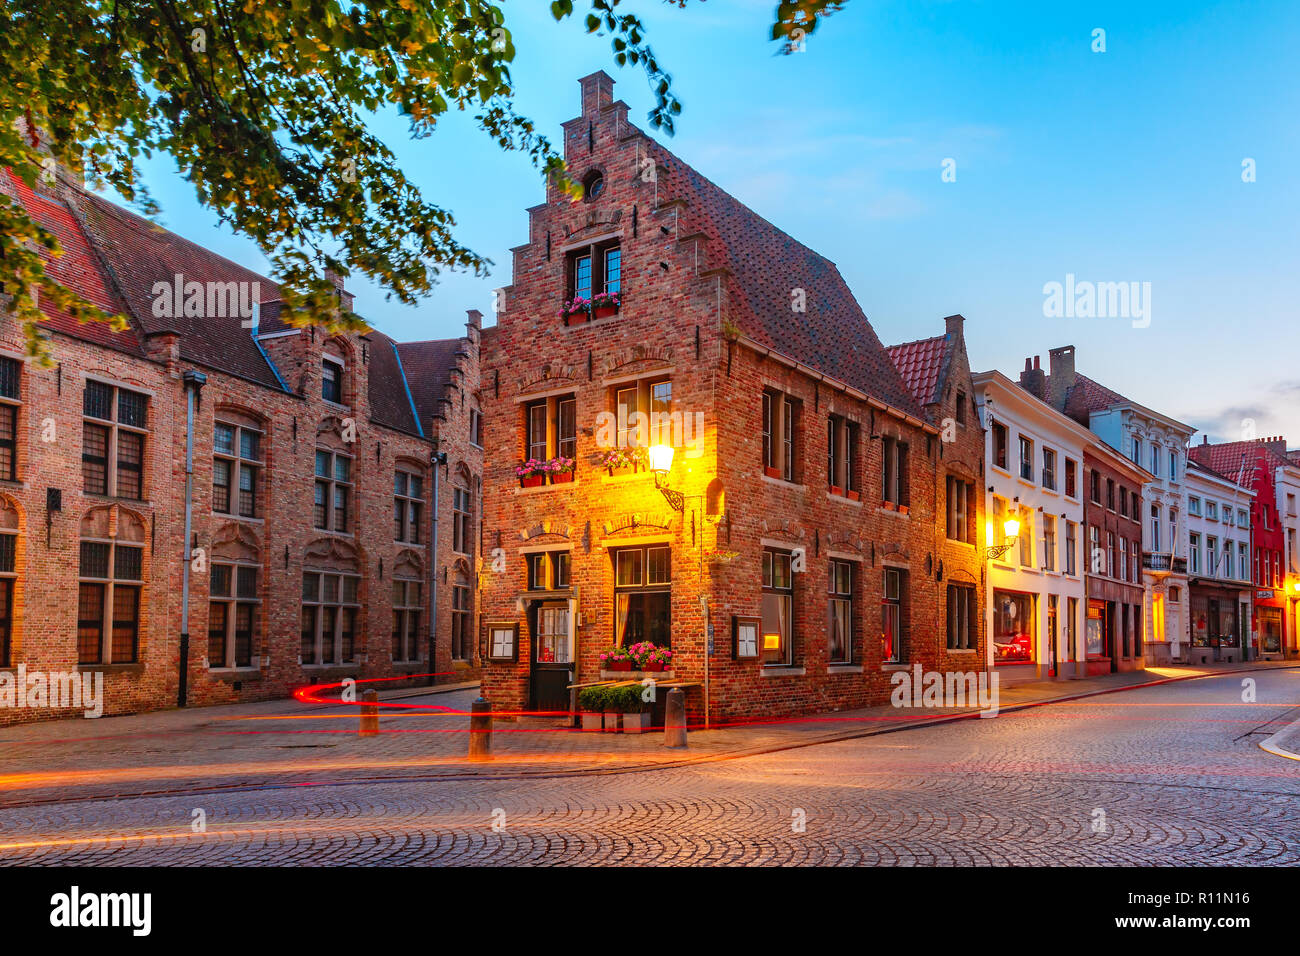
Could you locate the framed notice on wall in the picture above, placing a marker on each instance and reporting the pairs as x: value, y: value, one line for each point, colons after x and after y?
x: 502, y: 640
x: 744, y: 637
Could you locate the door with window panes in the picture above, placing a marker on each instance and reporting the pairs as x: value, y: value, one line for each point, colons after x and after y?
x: 550, y: 620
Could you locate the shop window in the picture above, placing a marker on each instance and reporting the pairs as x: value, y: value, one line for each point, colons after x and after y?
x: 840, y: 625
x: 643, y: 595
x: 778, y: 608
x: 1014, y: 631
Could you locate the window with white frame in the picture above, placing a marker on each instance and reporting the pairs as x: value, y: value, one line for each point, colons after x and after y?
x: 1049, y: 542
x: 1071, y: 547
x: 1194, y: 552
x: 233, y: 601
x: 330, y: 610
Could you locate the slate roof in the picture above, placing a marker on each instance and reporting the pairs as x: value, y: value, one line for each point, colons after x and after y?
x: 921, y: 364
x: 428, y: 368
x: 832, y: 336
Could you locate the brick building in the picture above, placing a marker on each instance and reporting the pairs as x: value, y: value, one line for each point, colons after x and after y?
x: 817, y: 527
x: 313, y: 518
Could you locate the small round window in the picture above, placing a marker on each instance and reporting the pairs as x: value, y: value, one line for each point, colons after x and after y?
x: 592, y: 186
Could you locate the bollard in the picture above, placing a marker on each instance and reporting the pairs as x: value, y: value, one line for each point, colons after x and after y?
x: 480, y: 730
x: 675, y: 719
x: 369, y: 713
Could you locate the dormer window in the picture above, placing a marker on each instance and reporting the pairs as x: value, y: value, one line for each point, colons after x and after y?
x: 331, y: 382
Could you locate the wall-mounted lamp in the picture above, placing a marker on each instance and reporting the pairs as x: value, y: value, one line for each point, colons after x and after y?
x: 1011, y: 531
x: 661, y: 463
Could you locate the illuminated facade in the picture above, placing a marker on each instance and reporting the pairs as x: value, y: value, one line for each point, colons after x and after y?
x: 1218, y: 565
x: 817, y: 528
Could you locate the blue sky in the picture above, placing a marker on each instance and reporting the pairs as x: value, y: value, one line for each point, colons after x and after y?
x: 1116, y: 166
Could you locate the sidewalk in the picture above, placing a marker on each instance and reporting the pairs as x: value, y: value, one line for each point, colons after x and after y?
x: 423, y: 735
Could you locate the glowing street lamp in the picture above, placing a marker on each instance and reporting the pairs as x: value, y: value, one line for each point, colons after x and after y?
x: 661, y: 463
x: 1011, y: 531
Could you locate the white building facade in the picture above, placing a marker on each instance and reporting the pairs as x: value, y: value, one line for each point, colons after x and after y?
x: 1035, y: 588
x: 1218, y: 549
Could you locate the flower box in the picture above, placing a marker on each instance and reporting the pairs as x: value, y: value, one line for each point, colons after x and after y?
x: 561, y: 477
x: 605, y: 311
x: 837, y: 490
x: 903, y: 509
x: 652, y: 666
x: 890, y: 506
x: 618, y: 665
x: 576, y: 318
x: 855, y: 495
x: 532, y: 481
x: 772, y: 472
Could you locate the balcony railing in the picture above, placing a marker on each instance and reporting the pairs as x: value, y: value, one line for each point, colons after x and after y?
x: 1163, y: 562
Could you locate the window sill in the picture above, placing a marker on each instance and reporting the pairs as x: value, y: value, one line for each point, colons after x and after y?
x: 890, y: 668
x: 330, y: 403
x: 782, y: 483
x: 245, y: 518
x: 843, y: 669
x: 782, y: 671
x: 539, y: 489
x: 881, y: 509
x: 963, y: 651
x: 144, y: 503
x: 844, y: 499
x: 960, y: 544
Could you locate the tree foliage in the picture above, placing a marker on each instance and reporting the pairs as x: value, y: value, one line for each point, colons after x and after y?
x: 263, y: 105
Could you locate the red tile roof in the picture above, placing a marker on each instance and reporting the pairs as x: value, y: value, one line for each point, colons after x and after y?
x: 79, y: 268
x: 921, y: 364
x: 832, y: 335
x: 1226, y: 458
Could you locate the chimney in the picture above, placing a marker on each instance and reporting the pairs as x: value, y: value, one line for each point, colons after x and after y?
x: 1032, y: 380
x: 1060, y: 376
x: 475, y: 318
x: 345, y: 297
x: 953, y: 324
x: 597, y: 93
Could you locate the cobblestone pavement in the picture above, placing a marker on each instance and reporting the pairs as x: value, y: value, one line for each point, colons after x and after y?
x: 1165, y: 775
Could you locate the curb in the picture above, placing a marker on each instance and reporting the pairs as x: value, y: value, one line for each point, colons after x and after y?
x: 1274, y: 746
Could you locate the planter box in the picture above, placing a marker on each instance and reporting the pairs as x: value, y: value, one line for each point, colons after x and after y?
x: 837, y: 490
x: 591, y: 721
x: 611, y: 722
x: 561, y: 477
x: 636, y: 675
x: 653, y: 668
x: 618, y: 666
x: 903, y: 509
x: 532, y: 481
x: 890, y: 506
x: 772, y: 472
x: 605, y: 311
x: 636, y: 723
x: 575, y: 318
x: 855, y: 496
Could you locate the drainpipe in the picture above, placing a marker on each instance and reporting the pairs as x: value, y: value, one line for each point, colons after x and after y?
x: 437, y: 459
x: 194, y: 381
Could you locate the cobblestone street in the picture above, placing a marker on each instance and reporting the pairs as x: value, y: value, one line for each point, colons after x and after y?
x: 1162, y: 775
